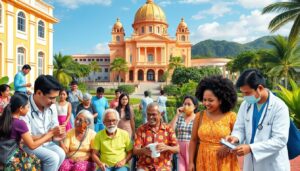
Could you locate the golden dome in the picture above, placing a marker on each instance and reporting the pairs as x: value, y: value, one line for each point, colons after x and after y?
x: 182, y: 24
x: 118, y: 24
x: 150, y: 12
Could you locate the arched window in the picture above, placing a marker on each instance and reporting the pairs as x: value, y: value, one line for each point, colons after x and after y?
x: 40, y: 63
x: 118, y: 38
x: 41, y: 29
x: 143, y: 30
x: 150, y: 29
x: 21, y: 58
x: 182, y: 38
x: 1, y: 11
x: 158, y: 29
x: 150, y: 58
x: 21, y: 21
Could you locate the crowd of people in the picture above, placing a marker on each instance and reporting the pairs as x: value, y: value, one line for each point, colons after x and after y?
x: 56, y: 129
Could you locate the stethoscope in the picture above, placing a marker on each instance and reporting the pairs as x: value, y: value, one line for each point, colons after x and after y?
x: 34, y: 111
x: 260, y: 126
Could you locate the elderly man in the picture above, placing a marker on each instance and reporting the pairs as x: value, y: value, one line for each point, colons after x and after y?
x: 112, y: 144
x: 155, y: 131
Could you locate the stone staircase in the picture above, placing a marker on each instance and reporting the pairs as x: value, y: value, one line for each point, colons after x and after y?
x: 154, y: 88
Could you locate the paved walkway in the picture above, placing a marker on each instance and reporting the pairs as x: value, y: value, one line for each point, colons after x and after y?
x: 295, y: 164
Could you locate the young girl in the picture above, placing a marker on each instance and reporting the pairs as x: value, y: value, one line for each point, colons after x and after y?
x: 12, y: 130
x: 64, y: 109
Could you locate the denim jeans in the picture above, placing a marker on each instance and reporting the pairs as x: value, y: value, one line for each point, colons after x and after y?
x: 124, y: 168
x: 51, y: 156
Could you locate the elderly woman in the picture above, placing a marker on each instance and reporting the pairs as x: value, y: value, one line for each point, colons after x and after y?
x: 78, y: 143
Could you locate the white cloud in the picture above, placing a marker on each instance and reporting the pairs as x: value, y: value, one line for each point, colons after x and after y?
x: 73, y: 4
x: 165, y: 3
x: 217, y: 10
x: 101, y: 48
x: 193, y: 1
x: 255, y: 3
x: 245, y: 29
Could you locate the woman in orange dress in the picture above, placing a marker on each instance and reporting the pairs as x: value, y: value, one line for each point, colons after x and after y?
x: 219, y: 97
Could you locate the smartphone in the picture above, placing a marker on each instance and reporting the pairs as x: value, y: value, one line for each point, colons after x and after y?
x: 228, y: 144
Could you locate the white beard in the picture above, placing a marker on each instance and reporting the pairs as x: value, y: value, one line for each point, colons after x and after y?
x: 111, y: 129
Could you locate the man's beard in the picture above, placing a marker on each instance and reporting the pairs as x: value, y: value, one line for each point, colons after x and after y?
x: 111, y: 129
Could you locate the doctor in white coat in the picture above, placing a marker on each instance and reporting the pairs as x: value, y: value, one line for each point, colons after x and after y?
x: 262, y: 126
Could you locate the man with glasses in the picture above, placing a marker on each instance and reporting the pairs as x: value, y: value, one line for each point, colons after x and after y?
x: 154, y: 132
x: 112, y: 148
x: 41, y: 118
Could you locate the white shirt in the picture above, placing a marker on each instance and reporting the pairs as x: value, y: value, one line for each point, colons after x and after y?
x: 39, y: 122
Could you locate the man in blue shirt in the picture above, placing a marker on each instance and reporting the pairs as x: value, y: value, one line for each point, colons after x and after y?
x: 20, y: 80
x: 100, y: 103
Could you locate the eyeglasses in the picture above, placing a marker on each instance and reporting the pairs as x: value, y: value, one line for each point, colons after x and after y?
x: 111, y: 121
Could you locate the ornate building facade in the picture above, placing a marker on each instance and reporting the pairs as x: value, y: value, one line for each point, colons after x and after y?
x: 149, y: 48
x: 26, y: 37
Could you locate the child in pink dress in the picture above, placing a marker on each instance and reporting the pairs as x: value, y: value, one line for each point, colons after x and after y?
x: 64, y: 109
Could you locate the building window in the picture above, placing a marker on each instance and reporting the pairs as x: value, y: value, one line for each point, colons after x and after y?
x: 106, y: 70
x: 21, y: 58
x: 143, y: 30
x: 84, y: 60
x: 150, y: 58
x: 21, y: 21
x: 106, y: 60
x: 101, y: 60
x: 158, y: 30
x: 98, y: 60
x: 41, y: 29
x: 1, y: 10
x: 40, y: 63
x: 150, y: 29
x: 182, y: 38
x: 130, y: 58
x: 100, y: 69
x: 118, y: 38
x: 89, y: 60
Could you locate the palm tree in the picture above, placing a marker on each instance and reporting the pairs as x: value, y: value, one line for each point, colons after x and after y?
x: 61, y: 70
x: 119, y: 65
x: 290, y: 11
x: 283, y: 59
x: 175, y: 62
x: 95, y: 67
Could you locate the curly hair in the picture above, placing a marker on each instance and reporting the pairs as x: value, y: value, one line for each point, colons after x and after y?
x: 222, y: 88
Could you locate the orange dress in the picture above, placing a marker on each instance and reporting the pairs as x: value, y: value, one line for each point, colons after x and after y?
x: 210, y: 133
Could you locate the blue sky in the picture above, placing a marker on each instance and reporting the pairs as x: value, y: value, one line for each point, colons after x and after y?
x: 85, y: 25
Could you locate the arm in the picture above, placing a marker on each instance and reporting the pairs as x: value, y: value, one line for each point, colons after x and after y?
x: 95, y: 114
x: 239, y: 126
x: 95, y: 157
x: 137, y: 149
x: 175, y: 119
x: 278, y: 137
x: 193, y: 142
x: 34, y: 143
x: 69, y: 113
x: 132, y: 121
x: 17, y: 82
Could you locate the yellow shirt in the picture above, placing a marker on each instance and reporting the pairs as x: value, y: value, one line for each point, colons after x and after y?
x: 72, y: 143
x: 112, y: 150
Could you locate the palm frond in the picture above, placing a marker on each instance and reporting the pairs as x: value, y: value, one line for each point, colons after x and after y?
x: 280, y: 6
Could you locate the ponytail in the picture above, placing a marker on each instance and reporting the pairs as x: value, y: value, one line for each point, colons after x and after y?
x: 6, y: 122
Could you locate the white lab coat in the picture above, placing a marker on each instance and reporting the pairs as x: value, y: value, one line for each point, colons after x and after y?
x: 269, y: 150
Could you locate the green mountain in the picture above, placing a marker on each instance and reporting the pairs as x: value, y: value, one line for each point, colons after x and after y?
x: 214, y: 48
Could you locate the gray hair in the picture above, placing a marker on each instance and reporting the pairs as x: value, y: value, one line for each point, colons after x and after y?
x: 111, y: 111
x: 88, y: 116
x: 153, y: 104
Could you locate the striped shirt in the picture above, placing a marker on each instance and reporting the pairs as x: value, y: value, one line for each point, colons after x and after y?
x: 184, y: 131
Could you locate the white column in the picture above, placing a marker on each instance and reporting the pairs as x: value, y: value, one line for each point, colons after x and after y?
x: 10, y: 44
x: 33, y: 57
x: 50, y: 62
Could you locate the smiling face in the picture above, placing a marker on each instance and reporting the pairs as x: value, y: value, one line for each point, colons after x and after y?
x: 124, y: 100
x: 46, y: 100
x: 63, y: 95
x: 153, y: 115
x: 6, y: 92
x: 111, y: 122
x: 210, y: 101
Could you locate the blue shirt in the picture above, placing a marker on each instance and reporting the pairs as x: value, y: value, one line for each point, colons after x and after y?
x: 19, y: 82
x: 255, y: 119
x: 145, y: 101
x: 100, y: 105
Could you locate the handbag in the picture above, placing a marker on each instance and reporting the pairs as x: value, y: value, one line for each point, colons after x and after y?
x: 198, y: 142
x: 7, y: 149
x: 293, y: 141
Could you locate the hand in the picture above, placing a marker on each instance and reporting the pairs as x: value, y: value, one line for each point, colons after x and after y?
x: 161, y: 147
x: 223, y: 152
x: 28, y: 92
x: 242, y: 150
x: 232, y: 139
x: 28, y: 85
x: 121, y: 163
x: 191, y: 167
x: 146, y: 151
x: 102, y: 166
x: 59, y: 130
x: 179, y: 110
